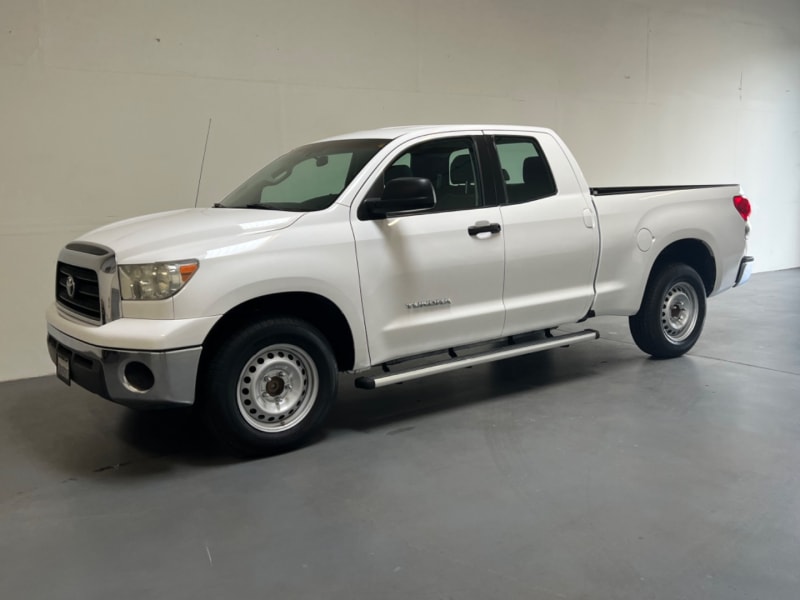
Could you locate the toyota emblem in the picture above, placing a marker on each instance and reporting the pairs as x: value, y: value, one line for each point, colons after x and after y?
x: 70, y: 285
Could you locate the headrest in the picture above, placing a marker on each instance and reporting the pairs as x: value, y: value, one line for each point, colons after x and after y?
x: 461, y: 170
x: 396, y: 171
x: 534, y: 170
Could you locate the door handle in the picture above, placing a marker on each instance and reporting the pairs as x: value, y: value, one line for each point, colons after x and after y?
x: 483, y: 227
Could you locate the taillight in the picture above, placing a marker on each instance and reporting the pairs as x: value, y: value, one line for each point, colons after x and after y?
x: 742, y: 204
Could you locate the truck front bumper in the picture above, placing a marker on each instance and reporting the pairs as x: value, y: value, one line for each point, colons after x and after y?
x: 133, y: 378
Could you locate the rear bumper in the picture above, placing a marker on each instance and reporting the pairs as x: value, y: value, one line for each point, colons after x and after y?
x: 133, y: 378
x: 745, y: 270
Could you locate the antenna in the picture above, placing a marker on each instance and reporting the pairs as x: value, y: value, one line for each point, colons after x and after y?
x: 202, y: 163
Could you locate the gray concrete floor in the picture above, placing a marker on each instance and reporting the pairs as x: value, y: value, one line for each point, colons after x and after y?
x: 589, y: 472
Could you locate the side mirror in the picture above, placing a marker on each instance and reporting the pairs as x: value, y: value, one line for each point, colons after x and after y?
x: 404, y: 195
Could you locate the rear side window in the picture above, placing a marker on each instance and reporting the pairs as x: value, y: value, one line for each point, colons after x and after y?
x: 526, y: 174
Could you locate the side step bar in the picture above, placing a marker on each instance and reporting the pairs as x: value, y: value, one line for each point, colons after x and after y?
x: 370, y: 383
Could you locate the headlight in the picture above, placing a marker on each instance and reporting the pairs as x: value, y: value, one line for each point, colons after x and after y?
x: 154, y: 281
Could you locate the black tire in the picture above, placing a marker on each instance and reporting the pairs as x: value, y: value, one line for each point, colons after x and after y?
x: 672, y: 314
x: 268, y: 387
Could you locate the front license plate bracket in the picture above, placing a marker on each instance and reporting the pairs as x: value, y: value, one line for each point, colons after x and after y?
x: 63, y: 366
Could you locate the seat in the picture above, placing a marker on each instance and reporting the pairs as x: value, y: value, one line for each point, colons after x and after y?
x: 436, y: 166
x: 537, y: 178
x: 459, y: 192
x: 430, y: 165
x: 462, y: 173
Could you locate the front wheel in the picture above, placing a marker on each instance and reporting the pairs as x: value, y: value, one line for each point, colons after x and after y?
x: 671, y: 317
x: 269, y: 386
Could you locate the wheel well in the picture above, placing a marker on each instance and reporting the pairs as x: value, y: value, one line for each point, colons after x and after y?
x: 693, y: 253
x: 317, y: 310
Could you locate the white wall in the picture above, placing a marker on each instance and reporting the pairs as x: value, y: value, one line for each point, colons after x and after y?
x: 104, y: 104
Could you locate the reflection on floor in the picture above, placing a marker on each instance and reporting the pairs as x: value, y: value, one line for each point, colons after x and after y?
x: 588, y: 472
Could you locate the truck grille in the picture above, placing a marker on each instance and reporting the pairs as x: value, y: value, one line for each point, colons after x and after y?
x: 77, y: 290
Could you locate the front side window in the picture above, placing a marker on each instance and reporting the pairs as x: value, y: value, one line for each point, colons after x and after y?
x: 526, y: 174
x: 451, y: 166
x: 306, y: 179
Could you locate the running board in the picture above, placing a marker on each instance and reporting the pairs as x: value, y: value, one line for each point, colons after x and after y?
x: 370, y: 383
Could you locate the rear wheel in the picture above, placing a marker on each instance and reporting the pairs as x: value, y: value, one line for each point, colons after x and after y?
x: 672, y: 314
x: 269, y: 386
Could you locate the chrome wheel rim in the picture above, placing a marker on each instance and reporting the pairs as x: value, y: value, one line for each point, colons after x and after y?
x: 679, y: 312
x: 277, y: 388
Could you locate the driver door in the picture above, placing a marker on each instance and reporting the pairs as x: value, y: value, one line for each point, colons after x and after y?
x: 433, y: 280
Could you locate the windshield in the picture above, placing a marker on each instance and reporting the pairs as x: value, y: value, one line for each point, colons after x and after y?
x: 306, y: 179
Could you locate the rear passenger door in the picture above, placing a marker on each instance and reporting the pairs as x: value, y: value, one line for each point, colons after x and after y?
x: 431, y: 281
x: 551, y: 240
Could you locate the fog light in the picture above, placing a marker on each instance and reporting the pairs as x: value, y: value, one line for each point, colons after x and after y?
x: 138, y: 377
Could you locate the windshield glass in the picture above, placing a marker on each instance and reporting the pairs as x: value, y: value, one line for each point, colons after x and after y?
x: 306, y: 179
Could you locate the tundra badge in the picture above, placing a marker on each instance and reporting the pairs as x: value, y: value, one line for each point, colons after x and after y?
x: 423, y: 303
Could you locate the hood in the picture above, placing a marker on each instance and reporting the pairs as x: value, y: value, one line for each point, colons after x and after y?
x: 186, y: 233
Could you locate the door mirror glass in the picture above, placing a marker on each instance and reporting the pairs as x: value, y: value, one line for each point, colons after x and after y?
x: 403, y: 195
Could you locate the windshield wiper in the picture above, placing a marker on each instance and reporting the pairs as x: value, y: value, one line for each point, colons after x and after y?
x: 264, y: 206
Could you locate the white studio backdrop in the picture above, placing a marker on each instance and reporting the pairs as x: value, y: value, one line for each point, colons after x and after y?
x: 104, y: 104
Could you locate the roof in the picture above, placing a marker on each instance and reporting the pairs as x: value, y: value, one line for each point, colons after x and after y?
x: 390, y: 133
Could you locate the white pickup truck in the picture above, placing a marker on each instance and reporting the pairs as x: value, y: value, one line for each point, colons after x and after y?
x: 395, y: 253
